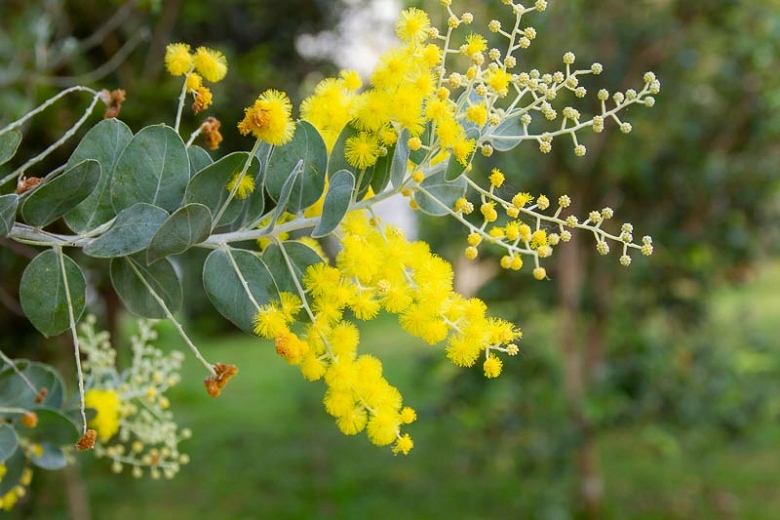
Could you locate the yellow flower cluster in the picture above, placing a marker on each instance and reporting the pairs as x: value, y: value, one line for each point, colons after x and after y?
x: 378, y: 269
x: 269, y: 118
x: 12, y: 496
x: 203, y: 63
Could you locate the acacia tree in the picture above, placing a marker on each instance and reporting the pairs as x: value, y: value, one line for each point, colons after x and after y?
x: 137, y: 200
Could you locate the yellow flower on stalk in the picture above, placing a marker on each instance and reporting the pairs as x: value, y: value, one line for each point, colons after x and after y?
x: 178, y: 59
x: 211, y: 64
x: 245, y: 187
x: 475, y: 43
x: 107, y: 404
x: 362, y: 150
x: 413, y: 26
x: 269, y: 118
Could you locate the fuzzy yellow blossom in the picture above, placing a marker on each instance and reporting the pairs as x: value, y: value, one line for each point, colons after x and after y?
x: 210, y: 63
x: 521, y: 199
x: 404, y: 445
x: 269, y: 118
x: 498, y: 81
x: 413, y: 26
x: 496, y: 178
x: 492, y: 366
x: 362, y: 150
x: 178, y: 59
x: 488, y: 211
x: 351, y: 79
x: 477, y: 114
x: 194, y: 81
x: 107, y: 404
x: 475, y: 43
x: 245, y: 186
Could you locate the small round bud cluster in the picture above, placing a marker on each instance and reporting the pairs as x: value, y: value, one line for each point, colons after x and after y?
x: 580, y: 150
x: 564, y: 201
x: 649, y: 101
x: 597, y: 68
x: 626, y: 237
x: 494, y: 54
x: 481, y: 90
x: 540, y: 273
x: 647, y: 245
x: 595, y: 217
x: 494, y: 26
x: 625, y: 260
x: 571, y: 221
x: 467, y: 18
x: 603, y: 94
x: 523, y: 42
x: 572, y: 81
x: 580, y: 92
x: 571, y: 113
x: 545, y: 145
x: 510, y: 62
x: 464, y: 206
x: 456, y: 80
x: 607, y: 213
x: 542, y: 202
x: 486, y: 150
x: 545, y: 251
x: 553, y: 239
x: 529, y: 33
x: 569, y: 58
x: 631, y: 94
x: 453, y: 22
x: 471, y: 252
x: 598, y: 124
x: 625, y: 127
x: 565, y: 235
x: 525, y: 119
x: 618, y: 98
x: 602, y: 247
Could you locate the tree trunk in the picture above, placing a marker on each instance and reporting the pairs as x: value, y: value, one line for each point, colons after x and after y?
x: 579, y: 356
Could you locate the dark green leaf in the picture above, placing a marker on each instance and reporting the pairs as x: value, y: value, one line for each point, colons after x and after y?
x: 301, y: 256
x: 103, y: 143
x: 43, y: 296
x: 9, y: 142
x: 54, y: 427
x: 379, y: 177
x: 336, y: 202
x: 222, y: 279
x: 400, y: 159
x: 209, y: 186
x: 54, y: 198
x: 306, y: 145
x: 51, y: 458
x: 154, y: 168
x: 8, y: 205
x: 131, y: 232
x: 199, y: 159
x: 441, y: 190
x: 189, y: 225
x: 126, y: 277
x: 14, y: 467
x: 8, y: 442
x: 16, y: 393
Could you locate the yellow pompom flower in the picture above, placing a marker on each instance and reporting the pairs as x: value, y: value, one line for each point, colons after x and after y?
x: 245, y: 186
x: 107, y: 404
x: 178, y: 59
x: 404, y: 445
x: 413, y: 26
x: 362, y: 150
x: 211, y: 64
x: 269, y: 118
x: 492, y: 366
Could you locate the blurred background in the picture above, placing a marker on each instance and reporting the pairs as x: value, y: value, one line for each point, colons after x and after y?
x: 647, y: 392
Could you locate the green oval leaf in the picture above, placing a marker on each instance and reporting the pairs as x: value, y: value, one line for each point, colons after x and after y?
x: 507, y: 135
x: 306, y: 145
x: 54, y: 427
x: 8, y: 442
x: 16, y: 393
x: 154, y: 168
x: 8, y: 204
x: 438, y: 192
x: 128, y: 275
x: 9, y: 142
x: 301, y: 256
x: 336, y: 204
x: 131, y: 232
x: 378, y: 175
x: 229, y: 276
x: 43, y: 296
x: 199, y: 159
x: 400, y: 159
x: 52, y: 199
x: 104, y: 143
x: 51, y: 458
x: 284, y: 197
x: 189, y: 225
x: 209, y: 186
